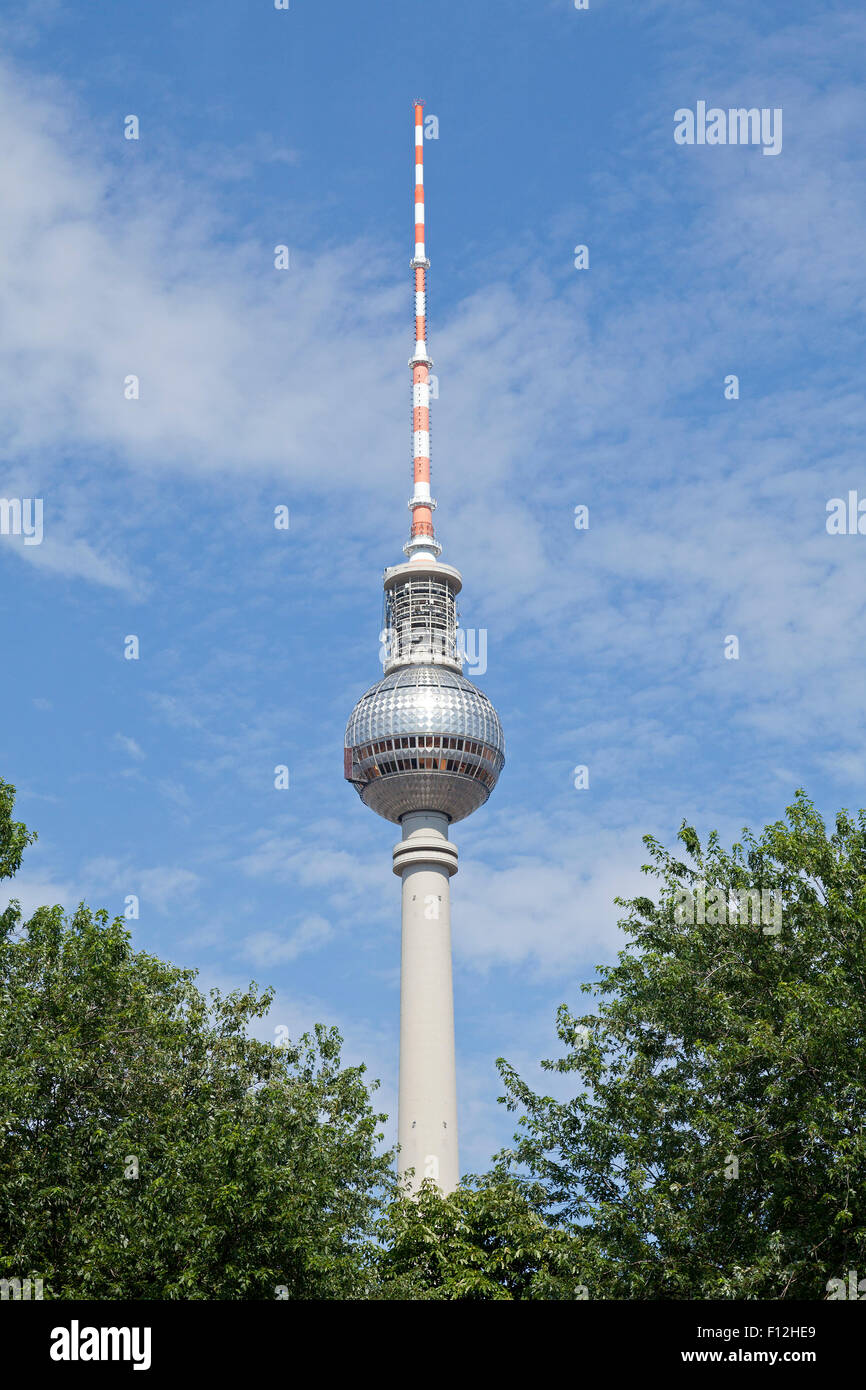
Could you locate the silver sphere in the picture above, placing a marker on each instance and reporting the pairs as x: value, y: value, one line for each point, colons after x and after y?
x: 424, y: 738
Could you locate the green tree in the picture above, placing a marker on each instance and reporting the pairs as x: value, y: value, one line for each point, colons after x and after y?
x: 715, y: 1145
x: 149, y: 1147
x: 487, y: 1240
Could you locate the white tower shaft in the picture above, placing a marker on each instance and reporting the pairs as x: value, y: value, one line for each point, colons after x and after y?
x: 426, y: 859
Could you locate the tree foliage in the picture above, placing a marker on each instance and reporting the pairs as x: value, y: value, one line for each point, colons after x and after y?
x: 488, y: 1240
x: 714, y: 1146
x: 151, y: 1148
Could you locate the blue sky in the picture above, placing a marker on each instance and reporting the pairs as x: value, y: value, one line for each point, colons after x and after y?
x: 558, y: 387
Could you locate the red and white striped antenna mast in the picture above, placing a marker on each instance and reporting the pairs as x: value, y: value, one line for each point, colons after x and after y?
x: 422, y: 543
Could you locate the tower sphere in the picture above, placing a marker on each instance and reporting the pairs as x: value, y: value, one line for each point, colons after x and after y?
x: 424, y: 738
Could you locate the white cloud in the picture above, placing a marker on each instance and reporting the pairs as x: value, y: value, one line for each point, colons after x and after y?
x: 356, y: 885
x: 129, y: 746
x: 34, y: 892
x: 547, y: 910
x: 96, y: 288
x: 275, y: 948
x: 163, y: 887
x: 74, y: 559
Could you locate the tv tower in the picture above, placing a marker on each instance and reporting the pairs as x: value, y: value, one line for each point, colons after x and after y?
x: 424, y: 748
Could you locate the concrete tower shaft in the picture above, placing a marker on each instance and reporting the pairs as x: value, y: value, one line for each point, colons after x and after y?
x: 425, y: 860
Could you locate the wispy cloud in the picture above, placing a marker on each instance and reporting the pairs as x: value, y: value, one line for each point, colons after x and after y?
x: 129, y: 746
x: 275, y: 948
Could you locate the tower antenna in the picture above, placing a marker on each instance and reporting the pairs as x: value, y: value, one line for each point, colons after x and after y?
x: 422, y: 544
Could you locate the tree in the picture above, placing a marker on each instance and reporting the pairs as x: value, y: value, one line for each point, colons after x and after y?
x: 715, y: 1145
x: 150, y: 1148
x: 485, y: 1241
